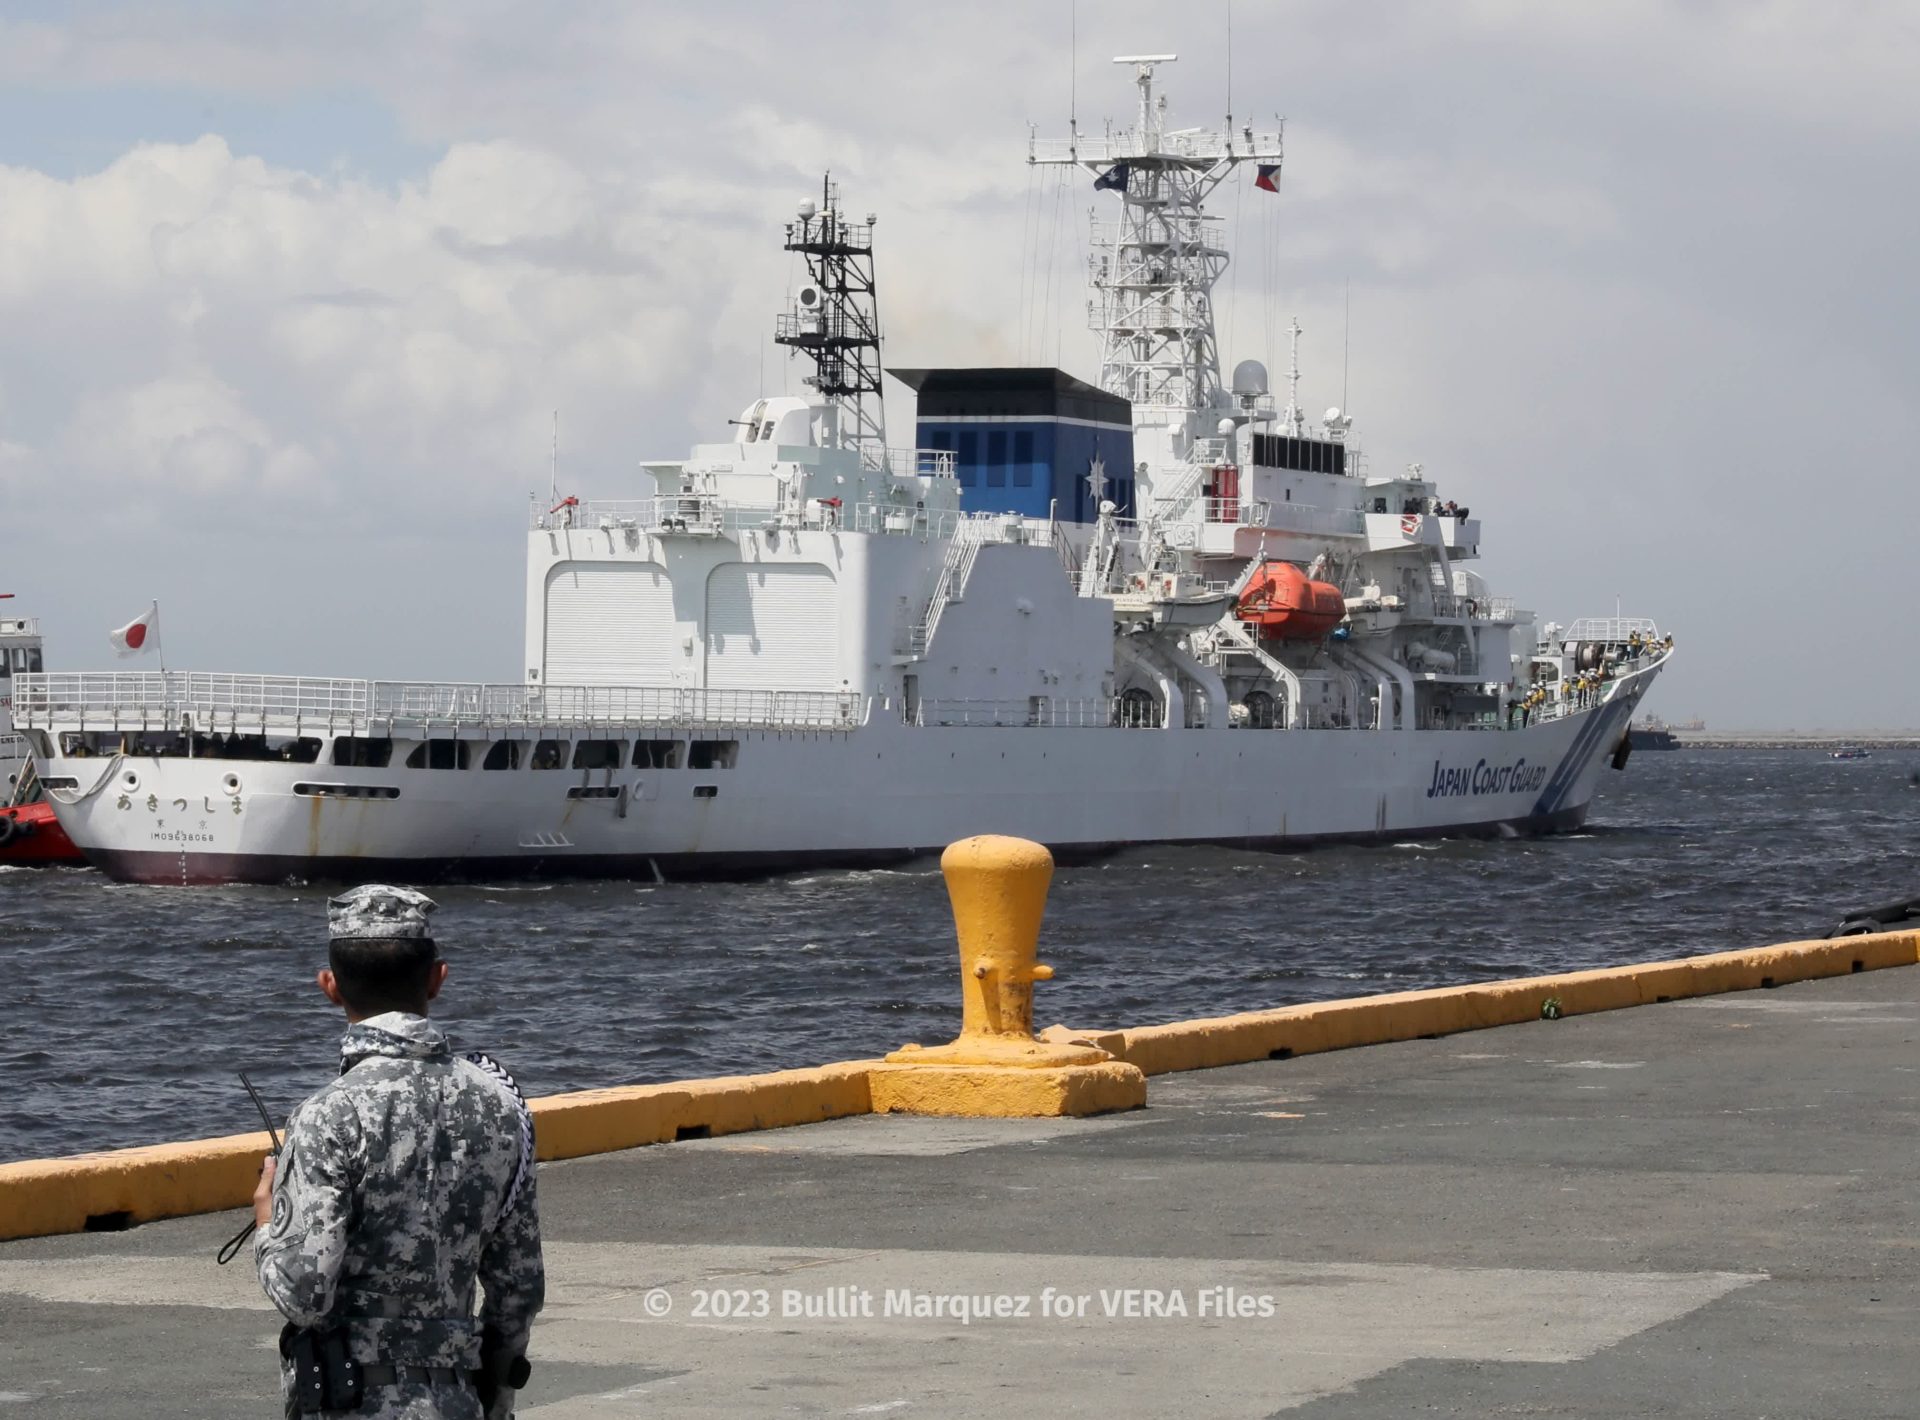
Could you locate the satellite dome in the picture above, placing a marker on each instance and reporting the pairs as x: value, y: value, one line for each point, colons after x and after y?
x: 1249, y: 378
x: 1333, y: 415
x: 1225, y: 426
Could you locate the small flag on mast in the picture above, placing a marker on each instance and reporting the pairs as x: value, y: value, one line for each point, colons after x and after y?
x: 1266, y: 177
x: 131, y: 639
x: 1114, y: 179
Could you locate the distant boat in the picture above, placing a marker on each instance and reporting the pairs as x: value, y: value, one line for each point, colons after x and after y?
x: 1652, y: 734
x: 1851, y: 754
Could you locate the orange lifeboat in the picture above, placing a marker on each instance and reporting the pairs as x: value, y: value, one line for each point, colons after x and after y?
x: 1283, y: 603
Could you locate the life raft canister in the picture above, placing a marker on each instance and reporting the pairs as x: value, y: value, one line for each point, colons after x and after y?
x: 1281, y: 602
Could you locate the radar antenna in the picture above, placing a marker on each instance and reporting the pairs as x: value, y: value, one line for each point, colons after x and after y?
x: 834, y: 319
x: 1153, y: 270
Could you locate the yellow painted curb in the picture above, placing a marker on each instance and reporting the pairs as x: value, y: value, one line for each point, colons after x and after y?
x: 1007, y: 1091
x: 601, y: 1121
x: 109, y: 1191
x: 1411, y: 1015
x: 128, y: 1186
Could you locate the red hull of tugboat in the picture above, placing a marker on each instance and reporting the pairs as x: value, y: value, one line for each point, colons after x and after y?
x: 34, y: 838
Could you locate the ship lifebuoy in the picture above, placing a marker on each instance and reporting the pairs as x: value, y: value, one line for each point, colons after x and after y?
x: 7, y: 829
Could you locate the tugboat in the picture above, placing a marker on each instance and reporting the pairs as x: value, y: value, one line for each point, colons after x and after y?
x: 1850, y: 752
x: 29, y: 833
x: 1651, y: 733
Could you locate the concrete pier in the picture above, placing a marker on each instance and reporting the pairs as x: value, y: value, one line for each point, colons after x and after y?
x: 1703, y: 1208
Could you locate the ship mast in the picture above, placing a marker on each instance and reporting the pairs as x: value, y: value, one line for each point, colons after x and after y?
x: 1153, y: 271
x: 834, y: 319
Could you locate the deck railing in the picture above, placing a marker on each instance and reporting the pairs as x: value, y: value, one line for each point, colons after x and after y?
x: 1611, y: 628
x: 151, y: 700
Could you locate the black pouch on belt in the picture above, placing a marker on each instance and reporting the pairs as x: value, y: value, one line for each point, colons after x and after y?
x: 325, y: 1375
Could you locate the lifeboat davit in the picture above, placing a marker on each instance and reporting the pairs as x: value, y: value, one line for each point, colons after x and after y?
x: 1283, y: 603
x: 31, y: 836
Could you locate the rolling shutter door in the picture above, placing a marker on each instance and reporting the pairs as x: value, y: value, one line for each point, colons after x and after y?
x: 610, y: 624
x: 772, y: 628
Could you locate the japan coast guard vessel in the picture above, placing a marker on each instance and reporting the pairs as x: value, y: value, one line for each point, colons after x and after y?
x: 1156, y: 609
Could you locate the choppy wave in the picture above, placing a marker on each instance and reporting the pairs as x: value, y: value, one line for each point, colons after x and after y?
x: 136, y: 1005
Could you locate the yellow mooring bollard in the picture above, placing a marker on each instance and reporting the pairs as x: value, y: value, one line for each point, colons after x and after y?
x: 995, y: 1067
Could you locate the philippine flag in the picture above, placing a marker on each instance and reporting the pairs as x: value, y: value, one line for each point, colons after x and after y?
x: 132, y: 639
x: 1267, y: 176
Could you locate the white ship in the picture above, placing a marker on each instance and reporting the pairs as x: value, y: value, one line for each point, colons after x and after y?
x: 1156, y: 609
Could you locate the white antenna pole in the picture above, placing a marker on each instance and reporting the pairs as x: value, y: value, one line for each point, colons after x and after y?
x: 553, y: 478
x: 1346, y: 346
x: 159, y: 644
x: 1295, y: 420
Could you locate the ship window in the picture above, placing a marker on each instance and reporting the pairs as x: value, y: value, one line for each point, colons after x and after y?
x: 1023, y: 458
x: 503, y: 754
x: 346, y: 791
x: 598, y: 754
x: 706, y: 791
x: 439, y: 754
x: 656, y: 754
x: 713, y: 754
x: 363, y: 753
x: 966, y: 457
x: 996, y: 458
x: 549, y: 754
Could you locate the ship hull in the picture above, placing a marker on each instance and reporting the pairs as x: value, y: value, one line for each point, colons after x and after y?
x: 877, y: 794
x: 210, y: 870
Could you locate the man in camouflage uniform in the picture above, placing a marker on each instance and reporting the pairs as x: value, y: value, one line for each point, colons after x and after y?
x: 400, y: 1186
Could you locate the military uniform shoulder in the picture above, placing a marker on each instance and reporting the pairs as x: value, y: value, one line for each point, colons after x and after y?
x: 330, y: 1110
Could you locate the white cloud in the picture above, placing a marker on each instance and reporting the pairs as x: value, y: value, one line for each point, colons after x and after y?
x: 1637, y: 270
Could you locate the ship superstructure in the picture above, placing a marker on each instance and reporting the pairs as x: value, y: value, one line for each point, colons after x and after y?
x: 1152, y: 608
x: 20, y: 654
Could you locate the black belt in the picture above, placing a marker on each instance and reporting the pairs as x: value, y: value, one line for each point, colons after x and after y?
x: 379, y: 1374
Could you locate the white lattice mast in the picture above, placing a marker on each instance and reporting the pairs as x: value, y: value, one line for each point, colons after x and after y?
x: 834, y: 319
x: 1153, y: 270
x: 1295, y: 419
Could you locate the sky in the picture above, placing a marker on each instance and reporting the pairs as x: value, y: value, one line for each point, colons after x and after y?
x: 289, y: 296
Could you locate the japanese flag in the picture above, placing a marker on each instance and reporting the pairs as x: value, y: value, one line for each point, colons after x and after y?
x: 132, y: 639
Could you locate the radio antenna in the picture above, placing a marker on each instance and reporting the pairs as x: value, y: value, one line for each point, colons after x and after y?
x: 1346, y: 344
x: 553, y: 476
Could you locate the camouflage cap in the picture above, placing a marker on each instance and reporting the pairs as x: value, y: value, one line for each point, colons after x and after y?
x: 377, y: 910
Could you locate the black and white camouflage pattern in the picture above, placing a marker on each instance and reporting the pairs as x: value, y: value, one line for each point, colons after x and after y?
x: 377, y: 910
x: 396, y: 1194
